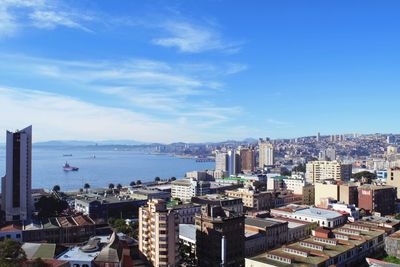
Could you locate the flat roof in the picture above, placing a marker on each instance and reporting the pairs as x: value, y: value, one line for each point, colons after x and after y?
x: 318, y: 213
x: 261, y: 222
x: 187, y: 232
x: 39, y: 250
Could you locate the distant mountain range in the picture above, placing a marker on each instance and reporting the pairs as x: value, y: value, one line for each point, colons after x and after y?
x: 88, y: 143
x: 63, y: 143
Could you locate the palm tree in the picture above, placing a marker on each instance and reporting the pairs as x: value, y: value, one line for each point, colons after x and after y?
x: 173, y: 178
x: 157, y: 179
x: 132, y: 183
x: 56, y: 188
x: 138, y: 182
x: 111, y: 186
x: 86, y: 186
x: 119, y: 186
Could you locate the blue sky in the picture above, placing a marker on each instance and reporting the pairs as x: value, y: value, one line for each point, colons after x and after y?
x: 190, y: 70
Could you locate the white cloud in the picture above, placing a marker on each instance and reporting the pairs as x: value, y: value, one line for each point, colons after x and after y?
x: 162, y: 91
x: 50, y: 19
x: 190, y: 38
x: 44, y: 14
x: 57, y: 117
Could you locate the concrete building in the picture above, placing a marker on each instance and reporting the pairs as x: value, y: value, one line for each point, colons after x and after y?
x: 233, y: 163
x: 393, y: 179
x: 308, y: 194
x: 220, y: 239
x: 187, y: 237
x: 230, y: 203
x: 324, y: 217
x: 348, y: 245
x: 275, y: 232
x: 221, y: 161
x: 348, y: 193
x: 297, y: 230
x: 326, y: 170
x: 159, y: 233
x: 326, y: 189
x: 265, y: 154
x: 294, y: 184
x: 147, y: 194
x: 327, y: 154
x: 186, y: 212
x: 253, y: 199
x: 392, y: 244
x: 187, y: 188
x: 106, y: 206
x: 247, y: 159
x: 17, y: 183
x: 377, y: 198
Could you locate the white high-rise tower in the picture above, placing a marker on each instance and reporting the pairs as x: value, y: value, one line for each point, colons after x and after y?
x: 17, y: 184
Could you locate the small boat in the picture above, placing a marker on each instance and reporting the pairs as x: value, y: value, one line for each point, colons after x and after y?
x: 67, y: 155
x: 68, y: 168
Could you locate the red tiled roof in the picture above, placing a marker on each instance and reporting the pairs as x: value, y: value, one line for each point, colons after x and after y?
x: 11, y: 228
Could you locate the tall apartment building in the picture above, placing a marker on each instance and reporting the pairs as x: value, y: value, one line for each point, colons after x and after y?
x: 377, y: 198
x: 265, y: 154
x: 327, y: 154
x: 233, y: 162
x: 247, y: 159
x: 349, y: 193
x: 308, y: 194
x: 393, y: 179
x: 219, y: 237
x: 17, y: 183
x: 221, y: 161
x: 326, y: 170
x: 185, y: 189
x: 159, y: 234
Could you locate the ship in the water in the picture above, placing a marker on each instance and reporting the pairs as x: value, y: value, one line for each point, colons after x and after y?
x: 68, y: 167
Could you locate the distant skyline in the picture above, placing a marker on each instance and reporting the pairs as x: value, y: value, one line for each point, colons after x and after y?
x: 196, y: 71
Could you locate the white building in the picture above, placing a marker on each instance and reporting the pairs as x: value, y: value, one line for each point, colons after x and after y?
x: 352, y: 210
x: 294, y: 183
x: 324, y: 217
x: 266, y: 154
x: 17, y: 184
x: 185, y: 189
x: 325, y: 170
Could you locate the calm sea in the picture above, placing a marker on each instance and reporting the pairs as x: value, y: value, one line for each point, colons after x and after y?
x: 101, y: 167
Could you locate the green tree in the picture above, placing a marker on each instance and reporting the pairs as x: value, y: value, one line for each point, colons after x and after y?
x: 119, y: 187
x: 11, y: 253
x: 157, y: 179
x: 56, y: 188
x: 299, y: 168
x: 132, y: 183
x: 111, y: 186
x: 138, y: 182
x: 364, y: 174
x: 173, y: 178
x: 86, y: 187
x: 50, y: 206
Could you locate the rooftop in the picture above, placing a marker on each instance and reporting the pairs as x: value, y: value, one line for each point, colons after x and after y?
x: 319, y: 213
x: 261, y: 223
x: 39, y: 250
x: 187, y: 232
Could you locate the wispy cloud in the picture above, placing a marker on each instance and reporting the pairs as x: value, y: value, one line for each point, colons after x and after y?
x: 278, y: 123
x: 44, y: 14
x: 190, y: 38
x: 163, y: 90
